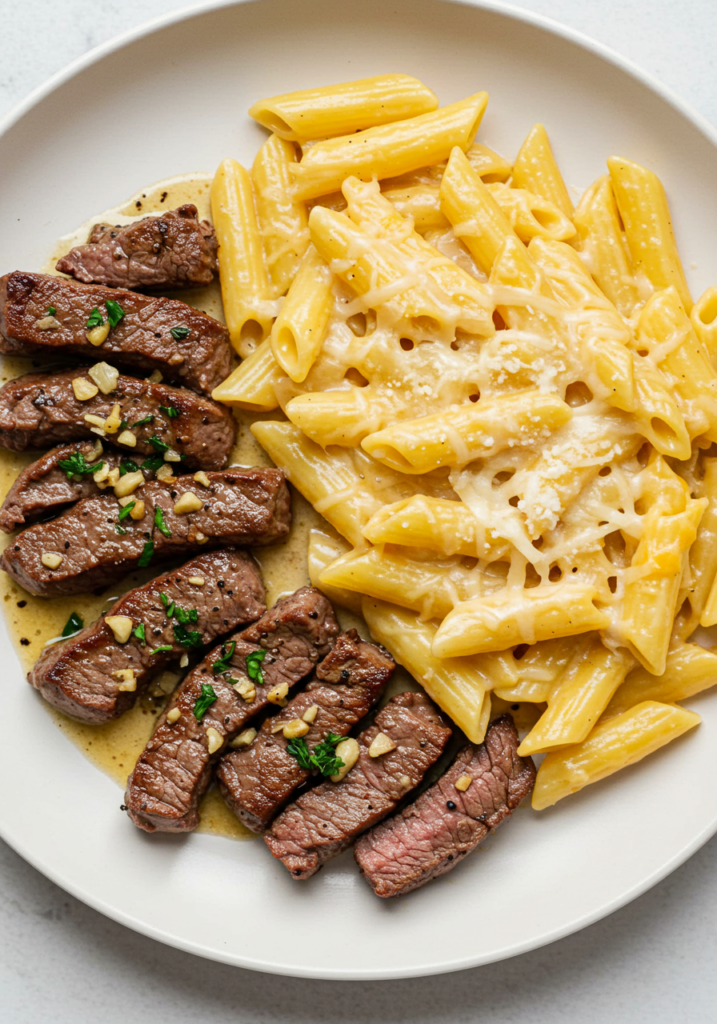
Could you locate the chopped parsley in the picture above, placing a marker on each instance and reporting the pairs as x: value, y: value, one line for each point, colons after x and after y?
x: 158, y: 444
x: 115, y: 313
x: 140, y: 634
x: 162, y: 648
x: 73, y: 625
x: 180, y: 332
x: 187, y: 637
x: 160, y: 523
x: 127, y: 466
x: 153, y: 463
x: 51, y: 310
x: 76, y: 465
x: 141, y: 423
x: 120, y: 529
x: 125, y: 510
x: 204, y: 701
x: 169, y: 605
x: 183, y: 615
x: 95, y: 319
x: 253, y: 666
x: 223, y: 664
x: 322, y: 759
x: 169, y: 411
x: 146, y: 557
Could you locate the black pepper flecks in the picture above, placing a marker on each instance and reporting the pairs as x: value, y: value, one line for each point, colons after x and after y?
x: 451, y: 806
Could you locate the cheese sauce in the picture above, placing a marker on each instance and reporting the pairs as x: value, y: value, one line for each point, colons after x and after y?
x: 33, y: 621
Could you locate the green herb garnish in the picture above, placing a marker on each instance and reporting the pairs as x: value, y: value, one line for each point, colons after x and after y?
x: 114, y: 312
x: 125, y: 510
x: 180, y: 332
x: 204, y: 701
x: 139, y: 633
x: 141, y: 423
x: 127, y: 466
x: 161, y: 648
x: 187, y: 637
x: 169, y: 411
x: 160, y: 523
x: 169, y: 605
x: 185, y: 615
x: 95, y: 319
x: 322, y: 759
x: 51, y: 310
x: 223, y: 663
x: 158, y: 444
x: 73, y: 625
x: 153, y: 463
x: 120, y: 529
x: 253, y: 666
x: 146, y: 557
x: 77, y: 466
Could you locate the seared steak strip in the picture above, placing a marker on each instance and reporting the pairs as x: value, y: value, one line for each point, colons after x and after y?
x: 174, y: 770
x: 79, y: 675
x: 432, y: 835
x: 326, y: 820
x: 41, y: 409
x: 43, y: 487
x: 197, y: 355
x: 259, y: 781
x: 172, y: 250
x: 240, y: 506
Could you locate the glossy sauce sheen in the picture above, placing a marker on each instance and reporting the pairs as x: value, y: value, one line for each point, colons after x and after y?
x: 32, y: 621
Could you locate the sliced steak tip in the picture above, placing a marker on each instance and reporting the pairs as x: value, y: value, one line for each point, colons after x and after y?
x: 326, y: 820
x: 199, y: 359
x: 173, y: 771
x: 257, y: 782
x: 41, y: 409
x: 172, y: 250
x: 78, y: 675
x: 433, y: 835
x: 43, y: 487
x: 240, y: 507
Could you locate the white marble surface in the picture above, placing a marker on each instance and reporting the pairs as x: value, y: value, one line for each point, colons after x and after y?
x: 652, y: 961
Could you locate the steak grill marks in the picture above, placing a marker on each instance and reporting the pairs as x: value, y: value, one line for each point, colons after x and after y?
x: 431, y: 836
x: 77, y: 675
x: 41, y: 409
x: 258, y: 782
x: 327, y: 820
x: 143, y: 339
x: 174, y: 769
x: 240, y: 507
x: 173, y: 250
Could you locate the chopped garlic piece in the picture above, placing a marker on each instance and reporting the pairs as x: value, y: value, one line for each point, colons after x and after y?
x: 51, y: 559
x: 121, y: 626
x: 83, y: 389
x: 381, y: 744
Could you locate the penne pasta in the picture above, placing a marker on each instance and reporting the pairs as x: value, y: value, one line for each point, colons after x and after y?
x: 300, y: 328
x: 389, y: 150
x: 253, y: 384
x: 341, y: 109
x: 601, y: 243
x: 689, y: 670
x: 535, y: 169
x: 283, y: 221
x: 323, y: 550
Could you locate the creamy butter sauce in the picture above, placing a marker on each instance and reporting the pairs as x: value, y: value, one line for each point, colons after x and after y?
x: 33, y: 621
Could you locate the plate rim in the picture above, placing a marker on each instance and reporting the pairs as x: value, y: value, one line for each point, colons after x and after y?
x: 36, y: 860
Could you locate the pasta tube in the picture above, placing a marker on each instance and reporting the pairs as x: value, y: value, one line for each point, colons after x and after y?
x: 602, y: 246
x: 515, y: 616
x: 704, y: 322
x: 689, y: 669
x: 389, y: 150
x: 532, y: 216
x: 246, y: 292
x: 283, y: 221
x: 463, y: 433
x: 252, y: 384
x: 475, y: 215
x: 457, y: 685
x: 300, y: 328
x: 580, y: 696
x: 434, y: 523
x: 535, y: 169
x: 657, y: 414
x: 421, y: 203
x: 342, y: 109
x: 323, y: 550
x: 614, y: 744
x: 643, y: 208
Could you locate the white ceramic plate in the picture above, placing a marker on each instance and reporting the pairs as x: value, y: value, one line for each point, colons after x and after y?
x: 172, y: 98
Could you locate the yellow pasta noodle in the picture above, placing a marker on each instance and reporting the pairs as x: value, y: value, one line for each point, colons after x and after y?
x: 535, y: 169
x: 323, y: 550
x: 614, y: 744
x: 300, y: 327
x: 448, y: 527
x: 689, y: 670
x: 246, y: 292
x: 283, y: 221
x: 704, y: 322
x: 253, y: 384
x: 341, y: 109
x: 389, y: 150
